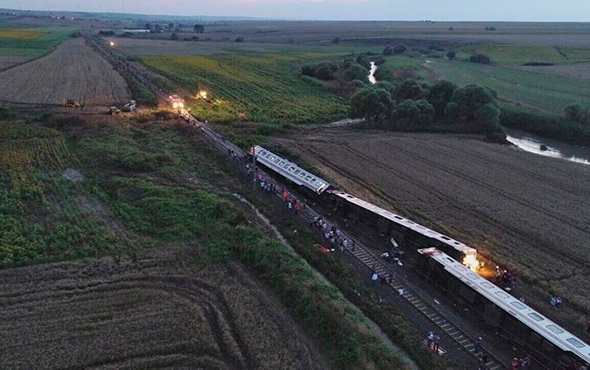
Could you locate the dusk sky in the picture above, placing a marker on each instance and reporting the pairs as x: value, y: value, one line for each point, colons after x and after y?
x: 440, y: 10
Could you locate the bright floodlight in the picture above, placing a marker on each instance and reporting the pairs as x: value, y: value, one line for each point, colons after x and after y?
x: 203, y: 94
x: 111, y: 43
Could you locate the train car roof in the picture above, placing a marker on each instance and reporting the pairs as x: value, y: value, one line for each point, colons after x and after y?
x: 508, y: 303
x: 405, y: 222
x: 290, y: 170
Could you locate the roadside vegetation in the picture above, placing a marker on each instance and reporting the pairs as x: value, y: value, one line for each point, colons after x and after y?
x: 251, y: 88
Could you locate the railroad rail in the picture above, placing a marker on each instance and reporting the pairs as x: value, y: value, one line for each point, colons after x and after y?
x: 463, y: 342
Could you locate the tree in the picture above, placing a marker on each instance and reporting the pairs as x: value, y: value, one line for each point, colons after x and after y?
x: 198, y: 28
x: 372, y: 103
x: 451, y: 28
x: 336, y: 40
x: 440, y: 95
x: 170, y: 25
x: 174, y: 36
x: 388, y: 50
x: 475, y: 107
x: 415, y: 113
x: 409, y: 89
x: 398, y: 49
x: 451, y: 55
x: 148, y: 26
x: 480, y: 58
x: 325, y: 71
x: 364, y: 61
x: 239, y: 39
x: 355, y: 72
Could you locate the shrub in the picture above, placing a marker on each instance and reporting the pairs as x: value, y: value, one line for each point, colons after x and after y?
x: 480, y: 58
x: 388, y: 50
x: 399, y: 49
x: 451, y: 55
x: 239, y: 39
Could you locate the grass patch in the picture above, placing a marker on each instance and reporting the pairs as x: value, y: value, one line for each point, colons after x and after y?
x: 513, y: 55
x: 546, y: 93
x: 387, y: 70
x: 261, y: 88
x: 20, y: 34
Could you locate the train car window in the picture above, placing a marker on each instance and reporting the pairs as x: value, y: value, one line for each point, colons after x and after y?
x: 445, y: 237
x: 518, y: 305
x: 263, y: 152
x: 576, y: 343
x: 502, y: 295
x: 277, y: 160
x: 282, y: 163
x: 302, y: 175
x: 487, y: 285
x: 555, y: 329
x: 308, y: 178
x: 535, y: 316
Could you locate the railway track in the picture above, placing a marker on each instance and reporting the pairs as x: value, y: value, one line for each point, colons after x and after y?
x: 462, y: 341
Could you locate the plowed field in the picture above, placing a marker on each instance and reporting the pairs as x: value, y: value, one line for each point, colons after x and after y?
x: 526, y: 211
x: 72, y: 71
x: 158, y: 310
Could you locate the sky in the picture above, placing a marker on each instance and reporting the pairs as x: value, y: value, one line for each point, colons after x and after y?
x: 436, y: 10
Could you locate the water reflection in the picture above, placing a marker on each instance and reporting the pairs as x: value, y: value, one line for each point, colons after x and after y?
x: 549, y: 148
x: 372, y: 78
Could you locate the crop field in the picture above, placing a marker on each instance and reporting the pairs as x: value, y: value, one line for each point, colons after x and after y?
x: 545, y: 92
x: 72, y: 71
x: 159, y: 47
x: 46, y: 213
x: 525, y: 211
x: 160, y: 309
x: 265, y: 88
x: 29, y: 43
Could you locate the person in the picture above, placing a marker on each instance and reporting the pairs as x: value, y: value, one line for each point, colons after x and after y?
x: 374, y: 277
x: 429, y: 339
x: 297, y: 209
x: 400, y: 291
x: 553, y: 302
x: 285, y: 195
x: 477, y: 345
x: 354, y: 248
x: 345, y: 243
x: 514, y: 364
x: 290, y: 205
x: 436, y: 341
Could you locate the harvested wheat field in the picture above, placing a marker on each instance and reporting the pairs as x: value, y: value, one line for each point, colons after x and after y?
x: 524, y: 210
x: 72, y: 71
x: 158, y: 310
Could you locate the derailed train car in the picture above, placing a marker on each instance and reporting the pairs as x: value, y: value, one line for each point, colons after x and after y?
x: 550, y: 345
x: 290, y: 170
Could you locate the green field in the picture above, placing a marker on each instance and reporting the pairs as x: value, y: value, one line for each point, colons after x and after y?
x: 514, y: 55
x: 264, y: 88
x: 32, y: 43
x: 544, y: 92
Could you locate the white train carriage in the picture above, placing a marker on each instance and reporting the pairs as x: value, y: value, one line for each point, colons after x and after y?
x: 549, y: 344
x: 388, y: 223
x: 290, y: 170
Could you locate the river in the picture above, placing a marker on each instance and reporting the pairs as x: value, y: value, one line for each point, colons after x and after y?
x: 555, y: 149
x: 372, y: 78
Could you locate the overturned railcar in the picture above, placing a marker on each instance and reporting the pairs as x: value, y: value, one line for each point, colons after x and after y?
x: 551, y: 346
